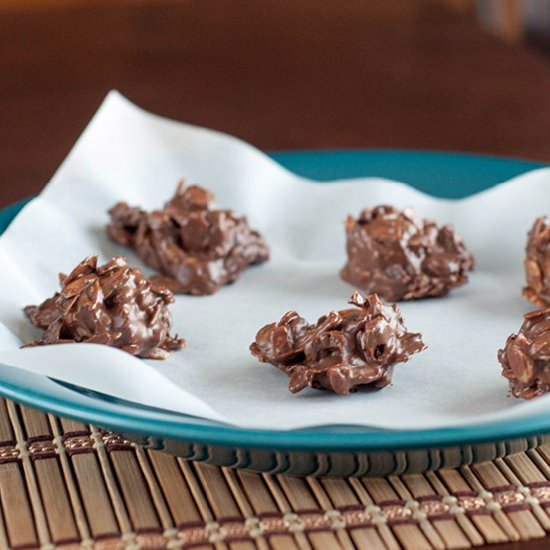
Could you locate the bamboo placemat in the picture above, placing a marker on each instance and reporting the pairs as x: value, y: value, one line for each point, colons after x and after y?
x: 64, y: 484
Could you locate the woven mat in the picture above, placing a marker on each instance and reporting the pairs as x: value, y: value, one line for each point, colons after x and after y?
x: 63, y: 483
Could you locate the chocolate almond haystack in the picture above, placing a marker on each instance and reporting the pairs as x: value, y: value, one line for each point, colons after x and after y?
x: 537, y: 263
x: 525, y: 358
x: 113, y: 304
x: 196, y: 246
x: 403, y: 257
x: 343, y: 350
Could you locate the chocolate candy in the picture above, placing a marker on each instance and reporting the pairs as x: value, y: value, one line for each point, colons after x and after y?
x: 403, y: 257
x: 525, y: 358
x: 113, y: 304
x: 537, y: 263
x: 343, y: 350
x: 196, y: 246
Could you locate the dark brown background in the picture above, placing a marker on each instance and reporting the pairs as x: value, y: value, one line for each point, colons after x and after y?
x: 282, y: 75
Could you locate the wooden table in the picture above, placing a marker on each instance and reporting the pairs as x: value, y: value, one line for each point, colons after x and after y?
x: 282, y: 75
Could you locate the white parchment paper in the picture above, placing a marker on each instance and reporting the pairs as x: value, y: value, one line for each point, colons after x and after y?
x: 127, y: 154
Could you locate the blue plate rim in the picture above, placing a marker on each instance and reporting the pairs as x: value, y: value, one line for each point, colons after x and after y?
x: 179, y: 427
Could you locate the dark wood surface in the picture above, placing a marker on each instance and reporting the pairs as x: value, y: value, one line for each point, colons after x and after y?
x: 282, y: 75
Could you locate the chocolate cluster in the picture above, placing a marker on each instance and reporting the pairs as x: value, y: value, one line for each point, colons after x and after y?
x: 525, y: 358
x: 112, y: 304
x: 537, y: 263
x: 195, y: 246
x: 403, y: 257
x: 344, y: 350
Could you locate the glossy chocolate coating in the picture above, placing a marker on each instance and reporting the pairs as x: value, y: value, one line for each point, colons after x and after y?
x: 113, y: 304
x: 525, y: 358
x: 403, y: 257
x: 195, y: 246
x: 343, y: 350
x: 537, y: 263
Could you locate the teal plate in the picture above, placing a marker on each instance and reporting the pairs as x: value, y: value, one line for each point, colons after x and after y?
x: 333, y: 450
